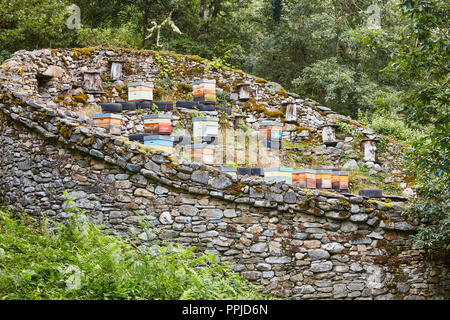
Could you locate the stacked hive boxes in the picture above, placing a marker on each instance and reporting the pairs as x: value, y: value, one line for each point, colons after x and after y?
x: 205, y: 136
x: 140, y: 91
x: 159, y: 143
x: 204, y: 91
x: 270, y: 133
x: 159, y: 127
x: 110, y: 121
x: 158, y: 124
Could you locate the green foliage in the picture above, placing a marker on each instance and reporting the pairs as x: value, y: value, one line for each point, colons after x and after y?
x: 165, y: 70
x: 78, y: 260
x: 33, y: 24
x: 390, y: 124
x: 222, y: 98
x: 419, y: 58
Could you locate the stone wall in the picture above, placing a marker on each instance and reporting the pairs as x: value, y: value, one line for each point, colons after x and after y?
x: 298, y: 243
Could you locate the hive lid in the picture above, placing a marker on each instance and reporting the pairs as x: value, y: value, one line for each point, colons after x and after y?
x: 107, y: 115
x: 141, y: 83
x: 158, y: 116
x: 158, y: 137
x: 299, y: 170
x: 213, y: 81
x: 205, y: 119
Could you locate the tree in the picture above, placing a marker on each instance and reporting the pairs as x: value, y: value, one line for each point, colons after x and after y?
x: 420, y: 57
x: 33, y: 24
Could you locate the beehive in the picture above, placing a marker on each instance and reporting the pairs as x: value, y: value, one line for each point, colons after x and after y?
x: 299, y: 178
x: 204, y: 91
x: 335, y: 183
x: 270, y: 131
x: 201, y: 153
x: 343, y: 180
x: 140, y: 91
x: 291, y: 112
x: 329, y: 134
x: 158, y: 124
x: 370, y: 149
x: 110, y: 121
x: 323, y: 178
x: 278, y: 174
x: 159, y: 143
x: 311, y: 179
x: 244, y: 90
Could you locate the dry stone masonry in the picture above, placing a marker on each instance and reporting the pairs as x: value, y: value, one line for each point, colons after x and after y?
x: 298, y: 243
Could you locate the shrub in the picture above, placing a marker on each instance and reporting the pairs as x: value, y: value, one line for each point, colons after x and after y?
x: 78, y: 260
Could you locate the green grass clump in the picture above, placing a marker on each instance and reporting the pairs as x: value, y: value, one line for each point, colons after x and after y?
x: 78, y: 260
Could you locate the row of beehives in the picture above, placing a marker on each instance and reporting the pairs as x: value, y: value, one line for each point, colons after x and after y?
x: 303, y: 178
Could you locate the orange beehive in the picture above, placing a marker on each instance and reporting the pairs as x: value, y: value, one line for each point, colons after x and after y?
x: 311, y: 179
x: 299, y: 178
x: 204, y: 91
x: 326, y: 179
x: 335, y: 185
x: 343, y: 180
x: 111, y: 122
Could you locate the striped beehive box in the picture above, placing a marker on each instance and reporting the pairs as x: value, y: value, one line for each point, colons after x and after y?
x: 335, y: 183
x: 205, y: 127
x: 110, y: 121
x: 310, y: 175
x: 158, y: 124
x: 299, y: 178
x: 159, y: 143
x: 204, y: 91
x: 343, y: 180
x: 201, y: 153
x: 140, y: 91
x: 270, y: 134
x: 323, y: 178
x: 278, y: 174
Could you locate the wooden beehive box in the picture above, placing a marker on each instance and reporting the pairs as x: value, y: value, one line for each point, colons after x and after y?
x: 343, y: 180
x: 158, y: 124
x: 159, y: 143
x: 244, y: 90
x: 201, y: 153
x: 140, y: 91
x: 335, y: 179
x: 270, y: 130
x: 204, y: 91
x: 92, y: 82
x: 311, y: 182
x: 291, y: 112
x: 110, y: 121
x: 205, y: 126
x: 323, y: 178
x: 299, y: 178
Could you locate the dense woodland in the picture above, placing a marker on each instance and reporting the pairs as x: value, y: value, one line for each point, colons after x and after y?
x: 394, y: 78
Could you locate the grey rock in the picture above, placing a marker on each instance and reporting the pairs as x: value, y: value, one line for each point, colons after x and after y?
x: 321, y: 266
x: 317, y: 254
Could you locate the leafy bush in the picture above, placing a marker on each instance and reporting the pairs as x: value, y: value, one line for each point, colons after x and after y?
x: 391, y: 125
x: 78, y: 260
